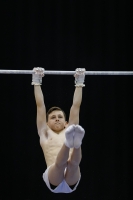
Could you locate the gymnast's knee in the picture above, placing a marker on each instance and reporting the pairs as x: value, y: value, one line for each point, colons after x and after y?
x: 60, y: 165
x: 72, y: 164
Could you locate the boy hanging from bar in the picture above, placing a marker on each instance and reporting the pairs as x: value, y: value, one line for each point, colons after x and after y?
x: 60, y: 141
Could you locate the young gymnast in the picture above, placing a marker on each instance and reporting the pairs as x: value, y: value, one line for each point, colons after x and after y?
x: 60, y: 141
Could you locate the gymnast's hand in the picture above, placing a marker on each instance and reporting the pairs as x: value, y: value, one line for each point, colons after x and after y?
x: 37, y: 75
x: 79, y: 77
x: 39, y: 70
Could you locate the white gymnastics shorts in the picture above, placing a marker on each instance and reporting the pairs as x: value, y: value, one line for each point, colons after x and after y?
x: 63, y: 187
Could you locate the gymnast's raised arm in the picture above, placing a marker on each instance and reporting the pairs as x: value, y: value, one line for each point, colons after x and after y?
x: 77, y: 99
x: 41, y: 110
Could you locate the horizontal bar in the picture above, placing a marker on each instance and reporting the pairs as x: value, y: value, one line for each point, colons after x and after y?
x: 67, y: 72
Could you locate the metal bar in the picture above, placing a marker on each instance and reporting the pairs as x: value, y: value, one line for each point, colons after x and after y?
x: 16, y: 71
x: 68, y: 72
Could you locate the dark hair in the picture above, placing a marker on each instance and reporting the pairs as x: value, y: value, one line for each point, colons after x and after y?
x: 52, y: 109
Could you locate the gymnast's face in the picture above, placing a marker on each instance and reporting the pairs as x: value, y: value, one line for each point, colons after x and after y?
x: 56, y: 121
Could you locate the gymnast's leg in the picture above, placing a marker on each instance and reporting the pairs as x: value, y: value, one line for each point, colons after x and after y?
x: 73, y: 170
x: 56, y: 171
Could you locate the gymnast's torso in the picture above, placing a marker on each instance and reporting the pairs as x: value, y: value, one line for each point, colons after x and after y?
x: 52, y: 144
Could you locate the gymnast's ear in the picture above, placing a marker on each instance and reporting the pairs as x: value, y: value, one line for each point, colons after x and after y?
x: 66, y: 124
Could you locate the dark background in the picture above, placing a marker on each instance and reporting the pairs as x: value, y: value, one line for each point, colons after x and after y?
x: 65, y: 35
